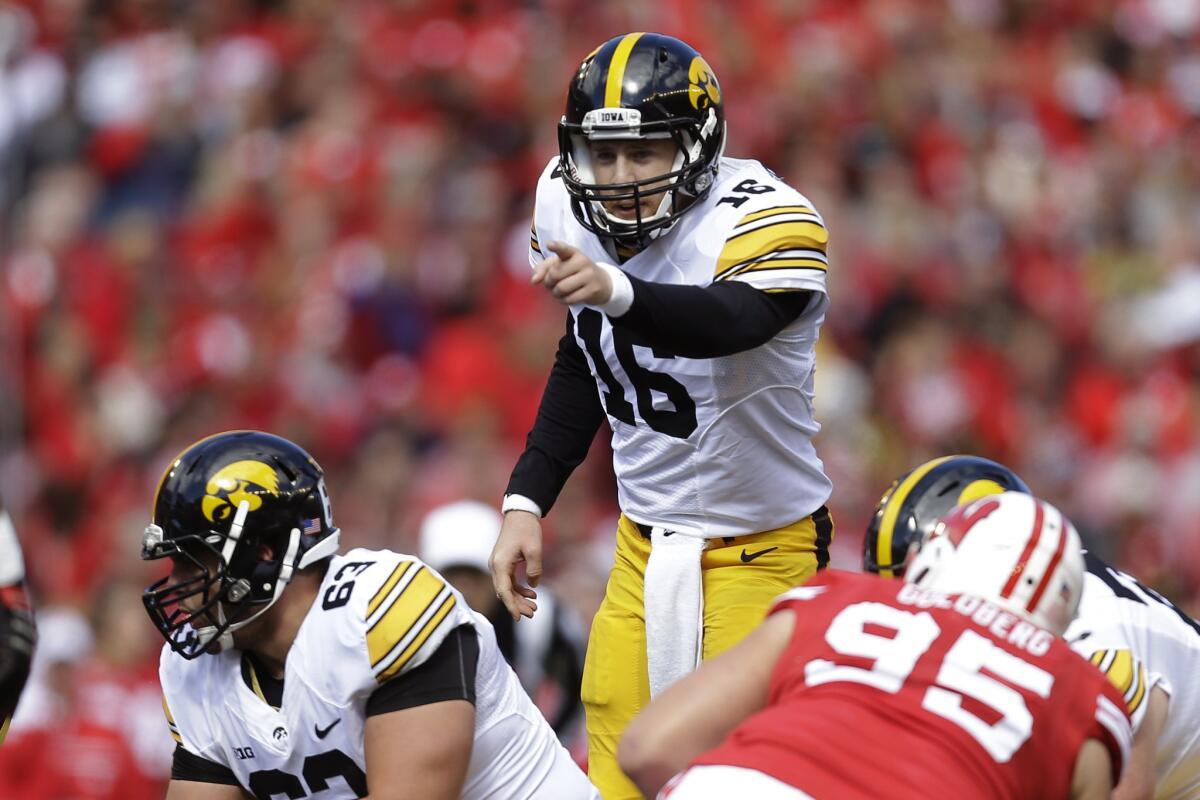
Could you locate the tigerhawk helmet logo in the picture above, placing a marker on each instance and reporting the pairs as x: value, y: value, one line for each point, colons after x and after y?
x: 703, y: 90
x: 241, y: 480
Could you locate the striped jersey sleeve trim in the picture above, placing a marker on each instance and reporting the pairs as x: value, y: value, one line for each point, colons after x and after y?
x: 1115, y: 722
x: 743, y: 227
x: 388, y: 585
x: 784, y: 280
x: 534, y: 244
x: 790, y: 237
x: 429, y: 624
x: 779, y: 259
x: 405, y: 620
x: 171, y: 726
x: 776, y: 211
x: 1126, y: 673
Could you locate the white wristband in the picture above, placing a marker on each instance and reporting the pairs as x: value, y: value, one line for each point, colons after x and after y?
x: 519, y: 502
x: 622, y: 291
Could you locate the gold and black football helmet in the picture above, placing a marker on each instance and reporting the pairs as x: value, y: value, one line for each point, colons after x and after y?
x: 912, y: 505
x: 238, y: 513
x: 641, y: 86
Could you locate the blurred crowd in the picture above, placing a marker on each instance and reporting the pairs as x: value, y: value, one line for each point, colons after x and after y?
x: 312, y: 218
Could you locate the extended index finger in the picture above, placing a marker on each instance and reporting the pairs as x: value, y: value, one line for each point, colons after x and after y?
x: 543, y: 269
x: 562, y: 249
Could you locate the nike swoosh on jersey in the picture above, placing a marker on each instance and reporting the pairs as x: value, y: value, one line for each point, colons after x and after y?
x: 323, y: 732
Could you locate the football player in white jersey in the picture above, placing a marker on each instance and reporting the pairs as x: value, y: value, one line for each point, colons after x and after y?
x: 695, y: 287
x: 292, y: 670
x: 17, y: 630
x: 1148, y: 648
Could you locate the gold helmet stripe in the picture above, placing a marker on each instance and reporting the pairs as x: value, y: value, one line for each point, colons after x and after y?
x: 883, y: 545
x: 616, y: 70
x: 974, y: 490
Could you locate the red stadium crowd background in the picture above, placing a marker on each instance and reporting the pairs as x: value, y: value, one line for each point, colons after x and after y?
x: 312, y: 218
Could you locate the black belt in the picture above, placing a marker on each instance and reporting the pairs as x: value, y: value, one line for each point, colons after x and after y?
x: 644, y: 530
x: 821, y: 513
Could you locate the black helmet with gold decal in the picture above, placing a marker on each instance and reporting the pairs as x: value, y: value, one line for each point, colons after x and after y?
x: 912, y: 505
x: 642, y: 86
x: 238, y: 514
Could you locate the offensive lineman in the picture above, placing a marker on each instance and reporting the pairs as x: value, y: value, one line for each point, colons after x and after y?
x: 1147, y: 646
x: 953, y: 683
x: 695, y: 287
x: 292, y: 670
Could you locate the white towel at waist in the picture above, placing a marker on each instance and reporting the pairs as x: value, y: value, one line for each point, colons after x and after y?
x: 674, y: 604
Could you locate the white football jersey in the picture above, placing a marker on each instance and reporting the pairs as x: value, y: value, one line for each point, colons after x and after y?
x: 721, y: 446
x: 377, y: 616
x: 1141, y: 640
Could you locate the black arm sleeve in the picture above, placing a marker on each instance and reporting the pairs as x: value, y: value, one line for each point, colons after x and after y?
x: 449, y: 674
x: 187, y: 766
x: 567, y: 420
x: 708, y: 321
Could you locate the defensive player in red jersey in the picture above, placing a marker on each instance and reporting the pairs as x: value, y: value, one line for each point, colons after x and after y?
x: 1147, y: 646
x: 856, y: 687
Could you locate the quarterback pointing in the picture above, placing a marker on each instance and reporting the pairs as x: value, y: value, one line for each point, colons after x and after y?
x: 291, y: 670
x: 695, y: 287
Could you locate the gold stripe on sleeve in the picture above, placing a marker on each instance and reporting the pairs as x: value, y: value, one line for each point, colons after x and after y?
x: 391, y: 628
x: 1120, y: 672
x: 767, y: 264
x: 1139, y: 691
x: 171, y: 726
x: 399, y: 572
x: 430, y: 627
x: 773, y: 212
x: 761, y: 242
